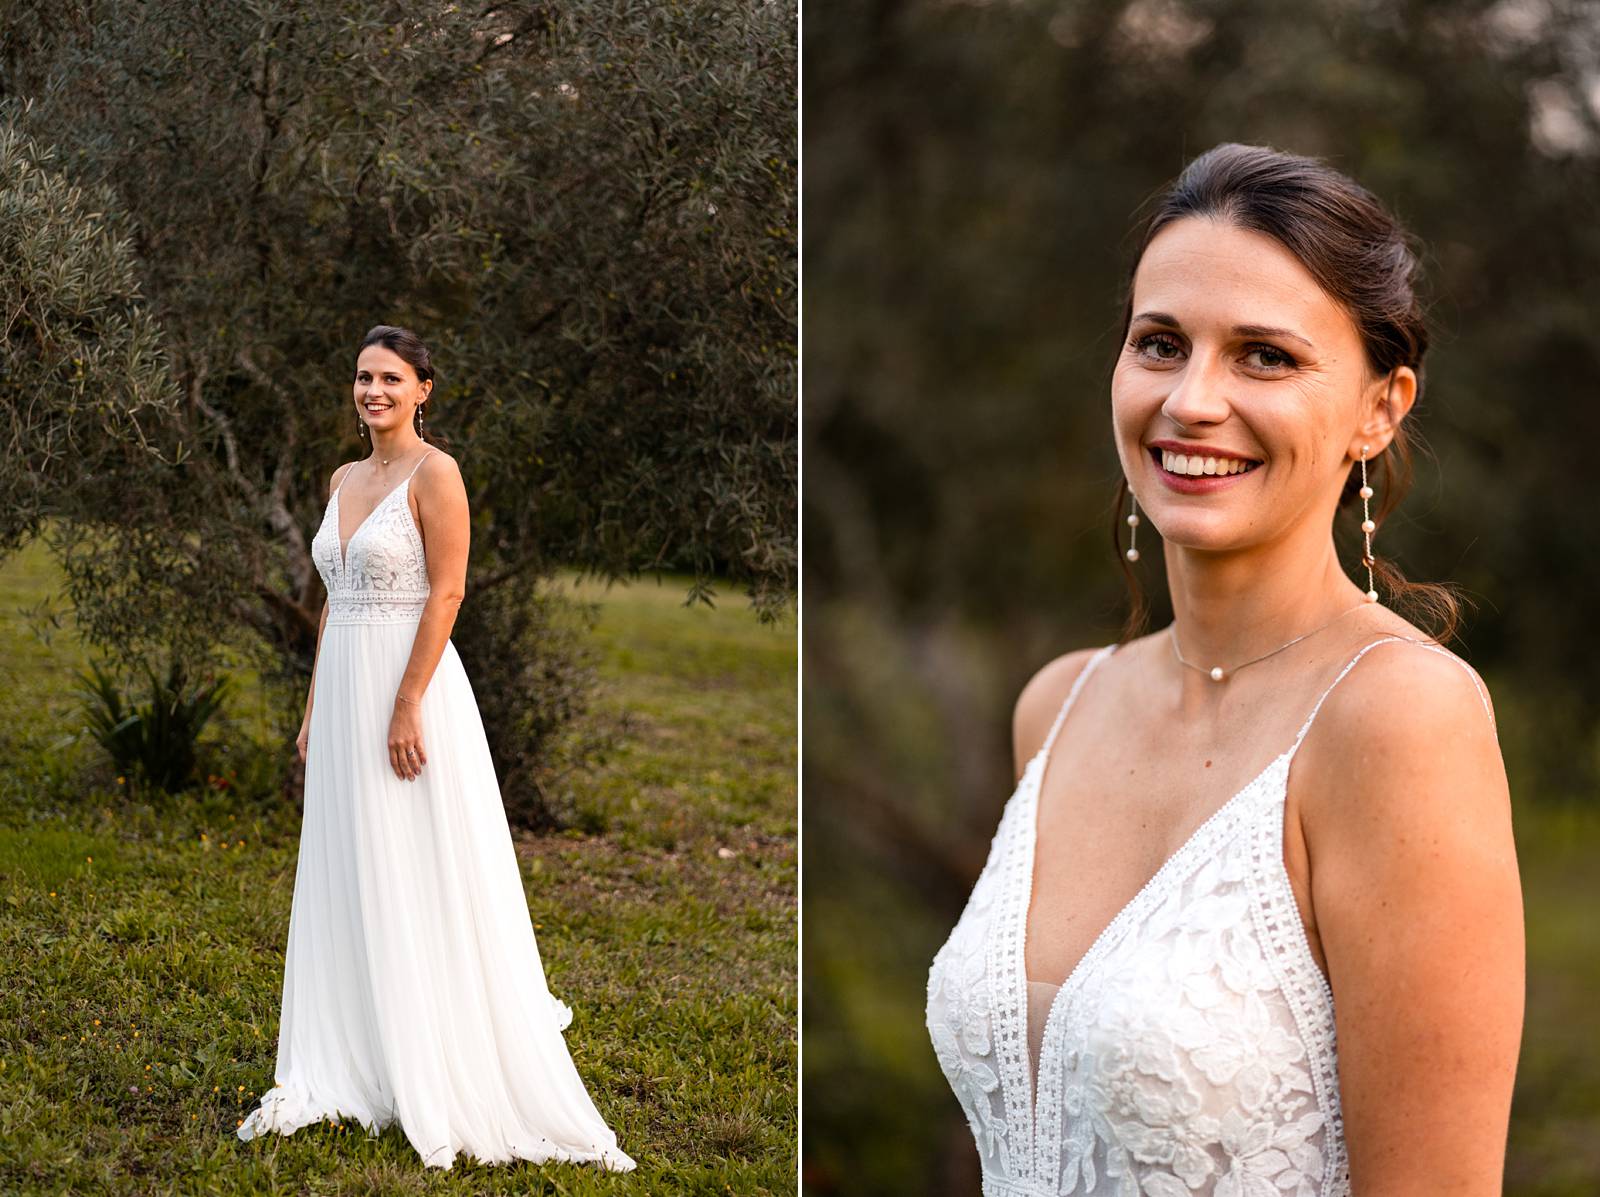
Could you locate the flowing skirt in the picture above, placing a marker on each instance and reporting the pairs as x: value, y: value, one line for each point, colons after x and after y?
x: 412, y: 986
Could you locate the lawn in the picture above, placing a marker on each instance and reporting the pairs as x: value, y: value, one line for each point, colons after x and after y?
x: 142, y: 952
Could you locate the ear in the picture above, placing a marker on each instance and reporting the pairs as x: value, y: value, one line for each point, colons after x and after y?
x: 1386, y: 402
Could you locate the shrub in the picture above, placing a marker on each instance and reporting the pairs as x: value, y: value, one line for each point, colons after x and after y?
x: 532, y: 674
x: 157, y: 742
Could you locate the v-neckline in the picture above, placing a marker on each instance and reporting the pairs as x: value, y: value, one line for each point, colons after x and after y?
x: 1167, y: 865
x: 1098, y: 946
x: 344, y: 545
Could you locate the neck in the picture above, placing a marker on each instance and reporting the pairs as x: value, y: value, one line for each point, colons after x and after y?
x: 1231, y: 607
x: 391, y: 444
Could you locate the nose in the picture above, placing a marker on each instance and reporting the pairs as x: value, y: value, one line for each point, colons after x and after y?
x: 1199, y: 391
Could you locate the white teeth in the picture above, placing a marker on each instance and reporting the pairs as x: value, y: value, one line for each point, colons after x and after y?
x: 1195, y: 465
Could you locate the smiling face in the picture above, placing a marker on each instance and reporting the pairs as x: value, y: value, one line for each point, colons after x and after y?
x: 386, y: 388
x: 1242, y: 392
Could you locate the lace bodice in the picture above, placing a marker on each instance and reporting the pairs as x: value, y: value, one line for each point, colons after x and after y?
x: 381, y: 574
x: 1191, y: 1050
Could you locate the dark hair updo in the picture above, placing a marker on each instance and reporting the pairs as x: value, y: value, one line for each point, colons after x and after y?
x: 409, y: 348
x: 1366, y: 261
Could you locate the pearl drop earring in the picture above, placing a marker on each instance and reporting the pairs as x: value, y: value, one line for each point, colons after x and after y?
x: 1133, y: 527
x: 1367, y: 526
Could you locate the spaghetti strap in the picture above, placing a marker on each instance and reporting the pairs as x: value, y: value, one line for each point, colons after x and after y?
x: 414, y: 468
x: 1429, y: 645
x: 1072, y: 694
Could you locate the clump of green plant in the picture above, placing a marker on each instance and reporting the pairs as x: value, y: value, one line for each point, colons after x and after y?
x: 156, y: 742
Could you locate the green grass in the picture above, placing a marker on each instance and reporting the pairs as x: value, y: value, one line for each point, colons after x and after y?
x: 143, y: 941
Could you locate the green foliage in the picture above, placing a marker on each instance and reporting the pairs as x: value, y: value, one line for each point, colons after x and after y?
x: 157, y: 741
x: 81, y: 369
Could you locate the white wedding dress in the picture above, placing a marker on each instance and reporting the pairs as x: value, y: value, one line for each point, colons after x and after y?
x: 412, y: 986
x: 1190, y: 1052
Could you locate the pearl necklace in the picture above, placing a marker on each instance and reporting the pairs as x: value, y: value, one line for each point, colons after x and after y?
x: 385, y: 460
x: 1217, y: 673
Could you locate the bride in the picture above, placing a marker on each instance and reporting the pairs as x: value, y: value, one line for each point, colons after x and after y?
x: 1191, y: 966
x: 413, y: 991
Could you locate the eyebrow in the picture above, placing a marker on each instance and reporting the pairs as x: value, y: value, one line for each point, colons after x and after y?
x: 1239, y: 330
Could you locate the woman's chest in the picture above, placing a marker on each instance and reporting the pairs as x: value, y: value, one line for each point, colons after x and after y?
x: 1189, y: 1032
x: 1103, y: 831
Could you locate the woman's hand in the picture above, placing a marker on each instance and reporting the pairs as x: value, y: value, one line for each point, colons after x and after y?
x: 304, y: 736
x: 406, y: 756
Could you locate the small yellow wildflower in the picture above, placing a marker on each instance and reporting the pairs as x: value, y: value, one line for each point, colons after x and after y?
x: 97, y: 1022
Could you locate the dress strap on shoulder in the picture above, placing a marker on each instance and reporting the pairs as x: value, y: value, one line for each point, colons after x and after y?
x: 1072, y: 693
x: 420, y: 460
x: 1427, y: 644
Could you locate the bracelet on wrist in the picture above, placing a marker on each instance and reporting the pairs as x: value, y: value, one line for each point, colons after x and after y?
x: 417, y: 702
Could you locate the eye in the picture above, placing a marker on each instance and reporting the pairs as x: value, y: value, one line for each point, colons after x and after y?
x: 1161, y: 347
x: 1270, y: 357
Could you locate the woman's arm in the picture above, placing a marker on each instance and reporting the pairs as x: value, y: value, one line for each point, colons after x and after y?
x: 303, y: 739
x: 442, y: 501
x: 1418, y: 905
x: 322, y: 623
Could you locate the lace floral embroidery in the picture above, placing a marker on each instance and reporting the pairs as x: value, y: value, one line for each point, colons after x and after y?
x: 384, y: 576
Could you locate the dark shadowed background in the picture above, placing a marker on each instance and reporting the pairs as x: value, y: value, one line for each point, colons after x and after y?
x: 972, y: 175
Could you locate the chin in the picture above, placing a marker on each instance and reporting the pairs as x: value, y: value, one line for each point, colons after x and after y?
x: 1205, y: 532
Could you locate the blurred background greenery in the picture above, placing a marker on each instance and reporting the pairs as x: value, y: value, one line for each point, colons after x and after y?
x: 973, y: 172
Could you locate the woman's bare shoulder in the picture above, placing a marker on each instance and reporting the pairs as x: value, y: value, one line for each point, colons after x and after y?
x: 1406, y: 739
x: 438, y: 466
x: 1406, y: 692
x: 338, y: 476
x: 1041, y: 698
